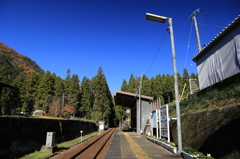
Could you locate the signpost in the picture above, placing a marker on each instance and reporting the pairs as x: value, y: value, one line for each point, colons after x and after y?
x: 165, y: 132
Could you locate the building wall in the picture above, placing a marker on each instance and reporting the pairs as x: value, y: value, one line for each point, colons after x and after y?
x: 221, y: 61
x: 146, y: 110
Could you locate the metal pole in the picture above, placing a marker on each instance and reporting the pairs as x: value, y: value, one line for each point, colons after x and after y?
x: 160, y: 126
x: 81, y: 135
x: 157, y: 123
x: 176, y: 87
x: 197, y: 32
x: 196, y: 28
x: 139, y: 102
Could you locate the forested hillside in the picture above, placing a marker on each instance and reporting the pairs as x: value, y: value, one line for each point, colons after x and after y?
x: 160, y: 86
x: 57, y: 97
x: 15, y: 62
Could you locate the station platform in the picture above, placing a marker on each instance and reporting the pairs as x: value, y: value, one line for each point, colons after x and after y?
x: 130, y: 145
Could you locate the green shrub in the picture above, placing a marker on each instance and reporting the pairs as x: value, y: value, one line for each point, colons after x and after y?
x: 195, y: 153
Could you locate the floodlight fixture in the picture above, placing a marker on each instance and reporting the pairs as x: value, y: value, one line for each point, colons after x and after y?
x: 156, y: 18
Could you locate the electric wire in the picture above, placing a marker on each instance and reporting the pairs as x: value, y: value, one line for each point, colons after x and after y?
x: 208, y: 29
x: 182, y: 27
x: 202, y: 29
x: 165, y: 45
x: 215, y: 13
x: 188, y: 45
x: 211, y: 25
x: 157, y: 52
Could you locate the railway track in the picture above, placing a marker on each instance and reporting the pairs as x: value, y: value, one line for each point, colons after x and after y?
x: 95, y: 148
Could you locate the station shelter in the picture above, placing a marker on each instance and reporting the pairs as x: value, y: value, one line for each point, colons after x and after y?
x: 140, y: 107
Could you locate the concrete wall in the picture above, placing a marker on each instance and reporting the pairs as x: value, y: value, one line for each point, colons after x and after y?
x: 19, y: 136
x: 215, y: 131
x: 145, y: 113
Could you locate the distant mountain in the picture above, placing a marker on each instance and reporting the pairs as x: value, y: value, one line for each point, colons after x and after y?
x: 15, y: 62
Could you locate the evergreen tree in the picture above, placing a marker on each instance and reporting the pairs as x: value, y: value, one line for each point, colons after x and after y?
x: 133, y: 84
x: 168, y: 88
x: 55, y: 107
x: 86, y: 100
x: 157, y: 88
x: 67, y: 82
x: 46, y: 91
x: 30, y: 96
x: 32, y: 82
x: 74, y: 92
x: 20, y: 83
x: 124, y: 86
x: 58, y: 86
x: 146, y: 86
x: 180, y: 85
x: 120, y: 112
x: 152, y: 83
x: 5, y: 91
x: 193, y: 76
x: 102, y: 103
x: 186, y: 81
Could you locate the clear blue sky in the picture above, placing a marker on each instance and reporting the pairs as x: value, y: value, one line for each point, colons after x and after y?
x: 83, y: 35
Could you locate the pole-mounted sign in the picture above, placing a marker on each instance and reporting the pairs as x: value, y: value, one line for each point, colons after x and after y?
x: 165, y: 132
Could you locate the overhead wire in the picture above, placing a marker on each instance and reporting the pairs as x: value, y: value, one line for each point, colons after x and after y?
x: 182, y: 27
x: 215, y: 13
x: 157, y: 52
x: 188, y: 45
x: 165, y: 46
x: 208, y: 25
x: 211, y: 25
x: 202, y: 30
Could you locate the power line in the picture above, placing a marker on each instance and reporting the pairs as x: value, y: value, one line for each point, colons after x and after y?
x: 211, y: 25
x: 215, y: 13
x: 156, y: 52
x: 188, y: 45
x: 161, y: 44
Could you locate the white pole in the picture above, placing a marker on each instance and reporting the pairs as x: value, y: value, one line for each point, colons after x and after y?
x: 139, y: 111
x: 176, y: 87
x: 160, y: 126
x: 81, y: 135
x: 168, y: 123
x: 157, y: 123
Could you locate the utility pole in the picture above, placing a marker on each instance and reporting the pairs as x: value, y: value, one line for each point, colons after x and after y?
x: 179, y: 131
x: 63, y: 95
x: 139, y: 105
x: 193, y: 16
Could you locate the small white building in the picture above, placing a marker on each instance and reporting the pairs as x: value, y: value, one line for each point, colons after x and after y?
x: 220, y: 58
x: 38, y: 113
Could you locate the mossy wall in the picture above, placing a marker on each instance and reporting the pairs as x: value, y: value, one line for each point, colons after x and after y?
x: 215, y: 131
x: 19, y: 136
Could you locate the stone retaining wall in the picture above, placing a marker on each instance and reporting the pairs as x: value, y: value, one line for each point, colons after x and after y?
x: 20, y: 136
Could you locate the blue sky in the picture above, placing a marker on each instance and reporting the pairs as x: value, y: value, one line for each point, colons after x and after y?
x: 82, y: 35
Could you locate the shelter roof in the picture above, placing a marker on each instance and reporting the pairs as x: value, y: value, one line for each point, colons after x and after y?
x: 127, y: 99
x: 223, y: 33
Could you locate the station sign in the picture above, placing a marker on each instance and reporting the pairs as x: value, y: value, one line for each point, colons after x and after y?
x: 164, y: 117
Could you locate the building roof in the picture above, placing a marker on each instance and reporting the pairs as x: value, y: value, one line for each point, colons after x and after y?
x: 127, y: 99
x: 223, y: 33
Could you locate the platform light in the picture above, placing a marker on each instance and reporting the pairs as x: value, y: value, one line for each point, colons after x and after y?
x: 156, y: 18
x: 162, y: 19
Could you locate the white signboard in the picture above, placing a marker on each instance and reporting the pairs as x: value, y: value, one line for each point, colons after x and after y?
x: 153, y: 117
x: 165, y: 132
